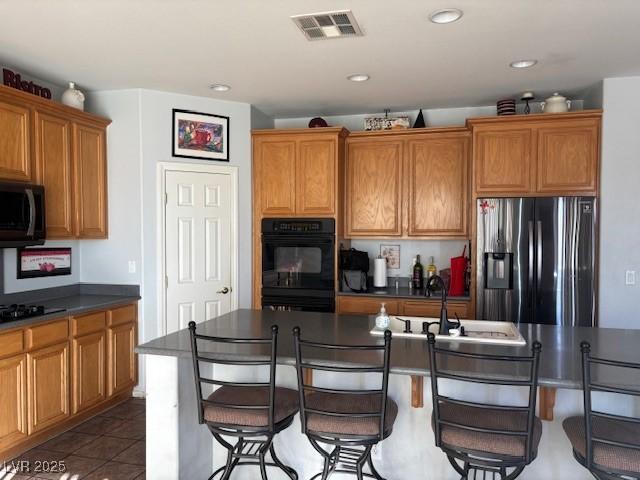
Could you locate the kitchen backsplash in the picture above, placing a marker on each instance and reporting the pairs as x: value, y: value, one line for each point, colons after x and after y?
x: 441, y: 250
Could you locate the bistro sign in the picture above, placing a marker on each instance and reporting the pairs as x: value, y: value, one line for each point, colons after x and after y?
x: 12, y: 79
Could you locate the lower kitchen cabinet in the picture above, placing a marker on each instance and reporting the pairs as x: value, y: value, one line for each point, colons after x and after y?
x: 48, y: 386
x: 88, y: 371
x: 13, y: 405
x: 57, y: 373
x: 122, y: 359
x: 349, y: 304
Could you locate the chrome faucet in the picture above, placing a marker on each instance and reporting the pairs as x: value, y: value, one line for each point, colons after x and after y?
x: 445, y: 324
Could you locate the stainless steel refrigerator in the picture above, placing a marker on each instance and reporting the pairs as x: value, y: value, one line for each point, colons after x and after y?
x: 536, y: 260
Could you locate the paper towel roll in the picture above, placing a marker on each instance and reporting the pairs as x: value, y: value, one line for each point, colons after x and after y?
x: 380, y: 272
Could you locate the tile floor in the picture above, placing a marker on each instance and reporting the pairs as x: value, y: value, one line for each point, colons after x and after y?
x: 110, y: 446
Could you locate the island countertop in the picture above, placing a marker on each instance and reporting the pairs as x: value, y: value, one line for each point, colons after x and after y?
x: 560, y: 361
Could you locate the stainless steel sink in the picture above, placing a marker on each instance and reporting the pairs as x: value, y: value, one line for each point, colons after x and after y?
x: 476, y: 331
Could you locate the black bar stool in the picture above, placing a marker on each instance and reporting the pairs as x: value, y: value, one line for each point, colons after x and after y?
x: 500, y: 439
x: 251, y: 412
x: 607, y: 445
x: 351, y: 421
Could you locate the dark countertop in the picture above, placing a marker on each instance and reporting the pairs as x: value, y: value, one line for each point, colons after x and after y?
x: 560, y: 364
x: 401, y: 292
x: 76, y: 302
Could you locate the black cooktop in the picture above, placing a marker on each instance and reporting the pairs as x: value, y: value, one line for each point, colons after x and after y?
x: 13, y: 312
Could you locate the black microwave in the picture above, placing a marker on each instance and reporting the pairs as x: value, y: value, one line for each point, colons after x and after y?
x: 22, y: 221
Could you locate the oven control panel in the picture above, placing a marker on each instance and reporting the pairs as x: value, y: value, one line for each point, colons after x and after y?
x: 275, y: 225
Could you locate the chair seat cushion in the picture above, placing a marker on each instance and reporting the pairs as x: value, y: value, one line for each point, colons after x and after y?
x: 285, y: 400
x: 491, y: 443
x: 607, y: 456
x: 349, y: 404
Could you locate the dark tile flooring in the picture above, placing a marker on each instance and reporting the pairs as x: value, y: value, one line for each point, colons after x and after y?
x: 110, y: 446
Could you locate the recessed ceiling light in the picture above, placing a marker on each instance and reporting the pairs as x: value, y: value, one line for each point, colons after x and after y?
x: 220, y: 87
x: 446, y: 15
x: 358, y: 77
x: 523, y: 63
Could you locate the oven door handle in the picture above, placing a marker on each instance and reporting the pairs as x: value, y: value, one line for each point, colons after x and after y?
x: 32, y: 212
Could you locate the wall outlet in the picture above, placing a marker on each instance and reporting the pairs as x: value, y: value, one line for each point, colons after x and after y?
x: 132, y: 266
x: 630, y: 277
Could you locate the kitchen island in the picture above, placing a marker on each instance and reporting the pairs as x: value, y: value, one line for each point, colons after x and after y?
x: 178, y: 447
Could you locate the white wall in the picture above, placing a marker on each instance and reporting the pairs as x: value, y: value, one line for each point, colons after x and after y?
x: 620, y: 209
x: 156, y: 123
x: 259, y: 119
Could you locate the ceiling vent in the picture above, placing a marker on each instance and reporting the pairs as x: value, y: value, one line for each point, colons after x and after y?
x: 326, y: 25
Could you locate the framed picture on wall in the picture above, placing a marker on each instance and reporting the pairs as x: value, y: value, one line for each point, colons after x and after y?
x: 43, y: 262
x: 392, y: 254
x: 200, y: 135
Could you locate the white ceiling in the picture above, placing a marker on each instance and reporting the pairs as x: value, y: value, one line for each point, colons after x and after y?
x: 185, y: 45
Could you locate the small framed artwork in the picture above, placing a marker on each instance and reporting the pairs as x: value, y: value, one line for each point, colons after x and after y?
x: 392, y: 254
x: 43, y: 262
x: 200, y: 135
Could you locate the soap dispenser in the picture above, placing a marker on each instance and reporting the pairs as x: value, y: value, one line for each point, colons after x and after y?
x: 382, y: 320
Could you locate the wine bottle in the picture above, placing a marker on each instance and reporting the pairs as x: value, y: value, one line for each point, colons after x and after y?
x: 418, y: 272
x: 431, y: 268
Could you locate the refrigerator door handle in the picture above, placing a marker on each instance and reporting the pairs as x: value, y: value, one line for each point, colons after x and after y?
x: 539, y: 251
x: 531, y: 254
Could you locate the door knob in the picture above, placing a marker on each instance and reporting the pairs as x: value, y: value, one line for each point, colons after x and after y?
x: 224, y: 291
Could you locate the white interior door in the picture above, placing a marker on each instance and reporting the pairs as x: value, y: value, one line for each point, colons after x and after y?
x: 198, y: 246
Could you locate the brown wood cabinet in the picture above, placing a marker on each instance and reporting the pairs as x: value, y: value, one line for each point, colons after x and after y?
x: 54, y: 171
x: 361, y: 305
x: 438, y: 177
x: 15, y: 141
x: 296, y: 171
x: 90, y: 181
x: 408, y: 183
x: 48, y: 386
x: 88, y: 371
x: 374, y: 187
x: 54, y: 374
x: 13, y: 404
x: 537, y: 155
x: 63, y: 149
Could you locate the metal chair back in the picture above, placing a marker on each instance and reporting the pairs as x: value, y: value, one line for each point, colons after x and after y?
x: 528, y: 378
x: 200, y: 380
x: 589, y: 387
x: 304, y: 363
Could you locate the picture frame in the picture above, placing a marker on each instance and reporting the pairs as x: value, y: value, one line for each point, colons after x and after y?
x: 43, y: 262
x: 392, y: 254
x: 199, y: 135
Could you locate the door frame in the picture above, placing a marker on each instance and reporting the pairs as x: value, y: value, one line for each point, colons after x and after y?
x: 161, y: 258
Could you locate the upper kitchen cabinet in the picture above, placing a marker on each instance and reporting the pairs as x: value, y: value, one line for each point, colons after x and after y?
x: 438, y: 177
x: 408, y: 183
x: 543, y: 155
x: 54, y: 171
x: 63, y: 149
x: 374, y: 187
x: 90, y: 174
x: 15, y: 140
x: 568, y: 156
x: 295, y: 172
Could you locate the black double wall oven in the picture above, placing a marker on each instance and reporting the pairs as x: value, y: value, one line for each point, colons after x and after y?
x: 298, y: 264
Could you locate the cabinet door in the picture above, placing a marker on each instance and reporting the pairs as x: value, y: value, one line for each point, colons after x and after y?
x: 15, y: 153
x: 13, y: 412
x: 90, y: 181
x: 121, y: 358
x: 54, y: 170
x: 365, y: 305
x: 89, y: 369
x: 568, y: 154
x: 374, y: 206
x: 431, y: 309
x: 48, y: 386
x: 316, y: 177
x: 275, y: 170
x: 503, y: 160
x: 438, y: 182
